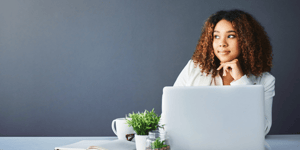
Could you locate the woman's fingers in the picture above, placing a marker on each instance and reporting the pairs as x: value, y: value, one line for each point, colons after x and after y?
x: 225, y: 70
x: 227, y: 67
x: 220, y: 67
x: 233, y: 68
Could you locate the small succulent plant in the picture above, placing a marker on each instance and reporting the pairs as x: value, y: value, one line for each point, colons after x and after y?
x: 158, y: 144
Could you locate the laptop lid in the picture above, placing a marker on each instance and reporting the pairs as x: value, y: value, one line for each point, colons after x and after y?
x: 214, y: 117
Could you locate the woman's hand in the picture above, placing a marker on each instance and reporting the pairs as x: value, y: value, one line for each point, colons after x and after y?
x: 233, y: 67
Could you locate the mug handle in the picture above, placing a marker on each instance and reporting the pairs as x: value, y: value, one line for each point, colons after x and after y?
x: 113, y: 127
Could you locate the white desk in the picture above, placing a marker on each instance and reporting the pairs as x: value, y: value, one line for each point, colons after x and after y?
x: 276, y: 142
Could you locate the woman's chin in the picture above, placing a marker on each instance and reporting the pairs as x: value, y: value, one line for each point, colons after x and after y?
x: 224, y: 60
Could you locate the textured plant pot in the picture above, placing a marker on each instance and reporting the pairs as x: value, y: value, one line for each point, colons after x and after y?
x: 140, y: 142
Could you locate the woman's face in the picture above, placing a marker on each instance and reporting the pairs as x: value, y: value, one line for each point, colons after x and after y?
x: 225, y: 42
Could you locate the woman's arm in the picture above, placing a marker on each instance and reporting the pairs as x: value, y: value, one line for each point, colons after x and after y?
x: 244, y: 80
x: 269, y: 86
x: 268, y: 81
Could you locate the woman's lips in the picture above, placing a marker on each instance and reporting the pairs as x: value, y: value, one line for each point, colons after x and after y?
x: 223, y: 52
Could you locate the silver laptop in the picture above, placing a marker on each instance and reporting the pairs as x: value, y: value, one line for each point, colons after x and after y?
x: 214, y: 117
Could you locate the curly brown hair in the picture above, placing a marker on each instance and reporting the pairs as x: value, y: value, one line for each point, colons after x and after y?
x: 256, y: 50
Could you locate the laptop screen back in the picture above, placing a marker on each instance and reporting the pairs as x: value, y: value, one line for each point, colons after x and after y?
x: 214, y: 117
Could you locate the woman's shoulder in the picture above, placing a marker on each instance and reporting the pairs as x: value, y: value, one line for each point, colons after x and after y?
x: 265, y: 78
x: 268, y: 79
x: 267, y: 75
x: 191, y: 63
x: 193, y: 67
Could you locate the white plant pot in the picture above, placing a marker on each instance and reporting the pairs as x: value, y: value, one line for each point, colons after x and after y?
x: 140, y: 141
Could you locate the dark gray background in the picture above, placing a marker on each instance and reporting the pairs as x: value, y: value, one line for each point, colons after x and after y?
x: 69, y: 67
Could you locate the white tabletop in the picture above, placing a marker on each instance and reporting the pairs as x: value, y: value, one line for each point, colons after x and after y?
x: 276, y: 142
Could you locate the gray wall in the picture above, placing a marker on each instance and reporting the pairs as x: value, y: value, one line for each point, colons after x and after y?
x: 69, y: 67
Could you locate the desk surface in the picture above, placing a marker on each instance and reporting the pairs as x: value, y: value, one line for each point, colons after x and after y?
x: 276, y: 142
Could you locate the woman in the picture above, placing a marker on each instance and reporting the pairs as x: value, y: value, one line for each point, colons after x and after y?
x: 233, y: 49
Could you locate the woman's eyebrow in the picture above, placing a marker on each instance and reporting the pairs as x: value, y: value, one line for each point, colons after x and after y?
x: 226, y: 32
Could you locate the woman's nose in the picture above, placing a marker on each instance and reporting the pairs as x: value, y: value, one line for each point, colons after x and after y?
x: 223, y: 43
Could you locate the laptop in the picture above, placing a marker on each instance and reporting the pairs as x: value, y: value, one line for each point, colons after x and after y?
x: 214, y: 117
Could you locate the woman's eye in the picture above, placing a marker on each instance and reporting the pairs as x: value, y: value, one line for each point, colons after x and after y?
x: 231, y: 36
x: 216, y: 37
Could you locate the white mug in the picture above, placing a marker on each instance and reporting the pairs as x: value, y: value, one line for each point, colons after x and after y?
x: 122, y: 128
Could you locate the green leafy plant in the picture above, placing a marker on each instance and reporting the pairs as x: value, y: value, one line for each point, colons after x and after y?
x: 158, y: 144
x: 142, y: 123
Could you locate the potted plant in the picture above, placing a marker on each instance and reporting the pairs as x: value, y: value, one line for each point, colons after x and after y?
x: 142, y: 123
x: 159, y: 145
